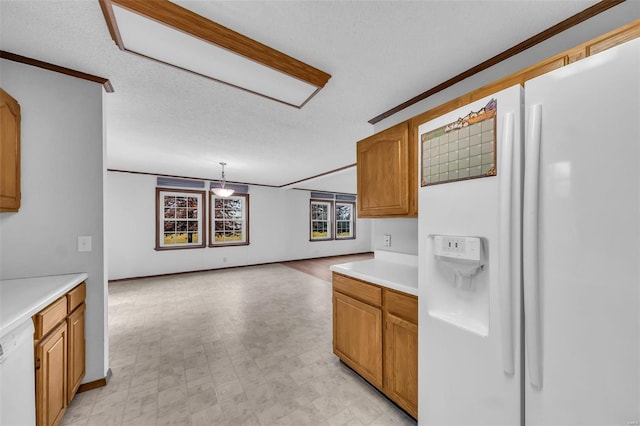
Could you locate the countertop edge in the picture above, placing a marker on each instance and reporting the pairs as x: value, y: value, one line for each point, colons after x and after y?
x: 375, y: 279
x: 36, y: 306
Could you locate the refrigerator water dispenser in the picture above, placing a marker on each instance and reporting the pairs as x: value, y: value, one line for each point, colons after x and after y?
x: 458, y: 292
x: 462, y: 255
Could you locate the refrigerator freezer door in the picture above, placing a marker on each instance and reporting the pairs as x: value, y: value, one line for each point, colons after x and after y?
x: 470, y: 368
x: 588, y: 242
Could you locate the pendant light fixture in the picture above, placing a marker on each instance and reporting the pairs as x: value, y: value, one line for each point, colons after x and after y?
x: 222, y: 191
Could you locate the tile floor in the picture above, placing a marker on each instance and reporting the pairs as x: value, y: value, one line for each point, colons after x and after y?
x: 243, y: 346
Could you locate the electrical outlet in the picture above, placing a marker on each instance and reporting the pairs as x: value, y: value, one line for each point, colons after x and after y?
x: 387, y: 240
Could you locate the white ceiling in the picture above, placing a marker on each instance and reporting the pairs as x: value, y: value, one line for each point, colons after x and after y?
x: 380, y: 53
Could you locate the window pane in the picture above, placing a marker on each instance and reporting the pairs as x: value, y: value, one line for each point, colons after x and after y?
x: 180, y: 216
x: 169, y: 201
x: 228, y: 221
x: 343, y: 212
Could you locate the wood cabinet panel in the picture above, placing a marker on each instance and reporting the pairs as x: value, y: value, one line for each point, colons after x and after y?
x: 385, y: 170
x: 358, y: 289
x: 9, y: 153
x: 380, y: 342
x: 621, y: 35
x: 357, y: 336
x: 51, y: 377
x: 402, y: 305
x: 49, y: 317
x: 76, y: 351
x: 59, y: 342
x: 76, y: 296
x: 401, y: 363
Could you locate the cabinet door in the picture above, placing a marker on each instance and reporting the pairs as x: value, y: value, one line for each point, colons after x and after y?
x: 51, y: 377
x: 383, y: 168
x: 76, y: 351
x: 9, y: 153
x: 401, y: 363
x: 357, y: 336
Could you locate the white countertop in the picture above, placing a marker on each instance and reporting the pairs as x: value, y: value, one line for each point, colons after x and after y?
x: 21, y: 298
x: 398, y: 271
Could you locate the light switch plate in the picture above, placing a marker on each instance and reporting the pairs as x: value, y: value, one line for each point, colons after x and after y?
x: 84, y: 243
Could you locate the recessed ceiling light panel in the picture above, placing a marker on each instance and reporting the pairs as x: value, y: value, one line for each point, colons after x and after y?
x: 168, y: 33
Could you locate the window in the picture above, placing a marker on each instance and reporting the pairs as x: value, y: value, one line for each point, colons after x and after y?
x: 345, y: 225
x: 321, y: 220
x: 332, y: 216
x: 229, y: 220
x: 179, y: 216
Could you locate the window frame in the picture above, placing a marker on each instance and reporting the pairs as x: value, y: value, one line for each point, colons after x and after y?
x: 160, y: 218
x: 245, y: 220
x: 352, y: 220
x: 330, y: 222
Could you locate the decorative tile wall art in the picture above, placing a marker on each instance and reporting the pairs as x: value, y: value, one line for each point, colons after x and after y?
x: 464, y: 149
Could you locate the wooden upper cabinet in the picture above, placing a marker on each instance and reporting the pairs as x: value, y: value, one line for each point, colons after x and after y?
x: 9, y: 153
x: 387, y: 174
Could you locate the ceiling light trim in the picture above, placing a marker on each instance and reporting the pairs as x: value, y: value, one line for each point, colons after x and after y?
x: 186, y: 22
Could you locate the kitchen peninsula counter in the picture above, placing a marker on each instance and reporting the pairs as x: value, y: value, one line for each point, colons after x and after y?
x: 397, y: 271
x: 21, y: 298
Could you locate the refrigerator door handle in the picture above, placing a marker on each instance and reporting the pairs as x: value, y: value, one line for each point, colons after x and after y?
x: 532, y: 322
x: 506, y: 246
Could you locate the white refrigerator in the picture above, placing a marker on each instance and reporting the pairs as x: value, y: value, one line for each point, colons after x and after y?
x: 529, y: 247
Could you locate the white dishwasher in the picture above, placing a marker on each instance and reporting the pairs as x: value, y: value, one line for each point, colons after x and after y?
x: 17, y: 377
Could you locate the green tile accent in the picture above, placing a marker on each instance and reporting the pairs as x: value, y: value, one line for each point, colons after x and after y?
x: 460, y: 153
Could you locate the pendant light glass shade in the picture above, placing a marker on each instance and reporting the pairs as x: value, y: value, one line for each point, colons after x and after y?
x: 222, y: 191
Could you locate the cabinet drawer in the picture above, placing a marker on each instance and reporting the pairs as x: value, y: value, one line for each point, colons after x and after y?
x: 402, y: 305
x: 357, y: 289
x: 76, y: 296
x: 45, y: 320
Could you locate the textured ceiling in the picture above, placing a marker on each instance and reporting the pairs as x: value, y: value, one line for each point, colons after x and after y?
x: 379, y: 53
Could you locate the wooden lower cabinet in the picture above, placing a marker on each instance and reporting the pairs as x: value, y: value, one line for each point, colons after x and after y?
x: 375, y: 332
x: 76, y: 351
x: 357, y: 337
x: 59, y: 355
x: 51, y: 376
x: 401, y: 363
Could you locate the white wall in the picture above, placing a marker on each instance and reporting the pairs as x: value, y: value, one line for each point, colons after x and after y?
x: 406, y: 232
x: 279, y: 229
x: 62, y: 191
